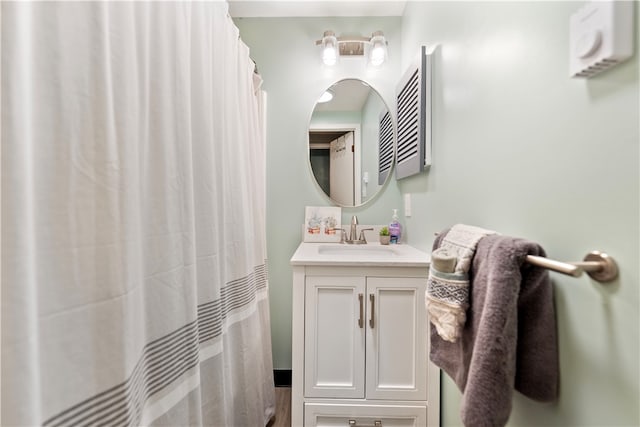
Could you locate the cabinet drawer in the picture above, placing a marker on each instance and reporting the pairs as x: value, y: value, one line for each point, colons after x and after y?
x: 328, y: 415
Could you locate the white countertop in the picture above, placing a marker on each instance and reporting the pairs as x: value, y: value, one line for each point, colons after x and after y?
x: 370, y: 254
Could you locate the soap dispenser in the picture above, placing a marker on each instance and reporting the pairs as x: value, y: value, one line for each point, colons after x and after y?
x: 395, y: 228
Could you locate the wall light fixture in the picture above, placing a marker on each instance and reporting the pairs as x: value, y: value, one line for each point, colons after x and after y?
x: 329, y: 48
x: 334, y: 47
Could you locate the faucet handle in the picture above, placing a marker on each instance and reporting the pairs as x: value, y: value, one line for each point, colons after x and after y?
x: 362, y: 238
x: 342, y: 233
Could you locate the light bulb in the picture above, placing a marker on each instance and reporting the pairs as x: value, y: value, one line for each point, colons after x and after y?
x: 325, y: 97
x: 329, y: 55
x: 329, y: 48
x: 377, y: 54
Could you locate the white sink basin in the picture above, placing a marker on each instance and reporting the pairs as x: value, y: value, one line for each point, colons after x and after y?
x: 370, y: 254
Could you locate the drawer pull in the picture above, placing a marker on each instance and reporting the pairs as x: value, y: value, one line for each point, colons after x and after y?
x: 354, y: 423
x: 372, y: 298
x: 361, y: 319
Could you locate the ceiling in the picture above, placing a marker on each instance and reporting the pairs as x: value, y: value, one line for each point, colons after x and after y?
x: 348, y: 95
x: 314, y: 8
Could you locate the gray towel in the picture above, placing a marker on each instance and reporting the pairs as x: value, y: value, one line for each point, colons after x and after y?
x: 509, y: 340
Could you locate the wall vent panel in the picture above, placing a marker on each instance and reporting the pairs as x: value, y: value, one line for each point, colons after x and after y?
x: 413, y: 106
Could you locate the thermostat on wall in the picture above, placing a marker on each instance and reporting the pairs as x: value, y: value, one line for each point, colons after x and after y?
x: 601, y: 37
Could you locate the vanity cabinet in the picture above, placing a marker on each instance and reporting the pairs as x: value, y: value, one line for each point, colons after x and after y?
x: 360, y: 345
x: 365, y: 337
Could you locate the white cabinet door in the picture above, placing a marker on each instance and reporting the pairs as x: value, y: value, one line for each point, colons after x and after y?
x: 396, y: 342
x: 334, y: 337
x: 323, y: 415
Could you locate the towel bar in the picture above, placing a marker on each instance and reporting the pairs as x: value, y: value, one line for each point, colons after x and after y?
x: 599, y: 266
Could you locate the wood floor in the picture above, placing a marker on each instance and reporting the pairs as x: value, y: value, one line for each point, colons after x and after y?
x: 283, y: 408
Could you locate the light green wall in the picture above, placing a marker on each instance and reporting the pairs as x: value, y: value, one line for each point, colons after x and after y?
x: 518, y: 147
x: 334, y: 117
x: 521, y: 148
x: 294, y: 77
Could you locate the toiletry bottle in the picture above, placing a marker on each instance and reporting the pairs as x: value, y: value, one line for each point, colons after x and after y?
x: 395, y: 228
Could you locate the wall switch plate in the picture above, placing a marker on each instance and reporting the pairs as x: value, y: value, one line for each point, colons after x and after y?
x: 407, y: 204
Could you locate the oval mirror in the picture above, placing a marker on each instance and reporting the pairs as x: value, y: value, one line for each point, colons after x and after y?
x: 351, y: 143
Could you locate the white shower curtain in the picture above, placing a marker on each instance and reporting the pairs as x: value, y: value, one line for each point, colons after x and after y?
x: 134, y: 287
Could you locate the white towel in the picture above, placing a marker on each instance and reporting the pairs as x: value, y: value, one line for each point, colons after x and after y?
x: 447, y: 296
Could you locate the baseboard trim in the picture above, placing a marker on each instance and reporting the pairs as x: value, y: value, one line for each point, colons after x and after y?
x: 282, y: 377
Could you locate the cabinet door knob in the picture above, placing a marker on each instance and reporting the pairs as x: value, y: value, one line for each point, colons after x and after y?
x: 372, y: 298
x: 361, y: 319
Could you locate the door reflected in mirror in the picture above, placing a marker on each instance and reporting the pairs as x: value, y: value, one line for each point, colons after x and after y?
x: 351, y: 146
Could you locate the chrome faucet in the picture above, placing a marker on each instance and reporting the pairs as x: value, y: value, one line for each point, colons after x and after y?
x: 353, y: 233
x: 354, y: 228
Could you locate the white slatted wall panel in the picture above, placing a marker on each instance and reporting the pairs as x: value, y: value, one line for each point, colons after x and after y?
x: 385, y: 146
x: 413, y: 102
